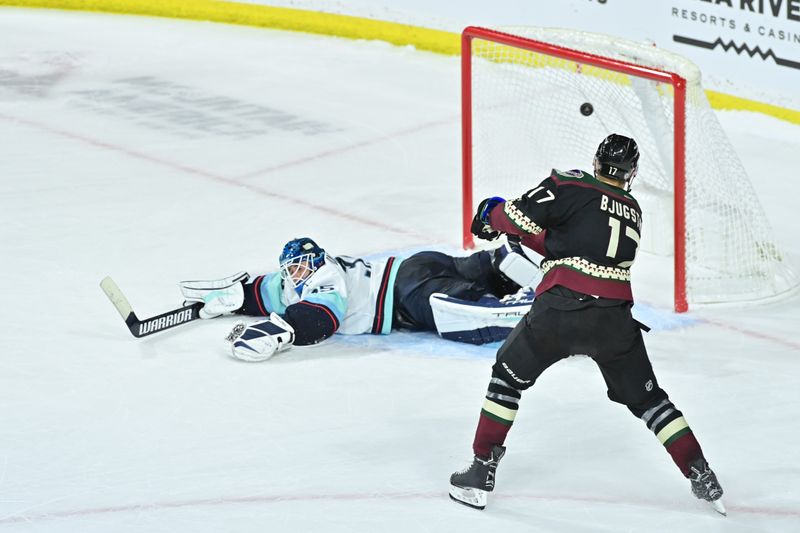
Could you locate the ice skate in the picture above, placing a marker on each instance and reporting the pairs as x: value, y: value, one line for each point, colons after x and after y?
x: 471, y: 485
x: 705, y: 485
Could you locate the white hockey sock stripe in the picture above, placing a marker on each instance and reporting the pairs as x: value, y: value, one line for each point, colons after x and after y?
x: 499, y: 411
x: 673, y: 428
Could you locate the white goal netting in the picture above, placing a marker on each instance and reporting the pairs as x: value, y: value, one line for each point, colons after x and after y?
x: 527, y: 119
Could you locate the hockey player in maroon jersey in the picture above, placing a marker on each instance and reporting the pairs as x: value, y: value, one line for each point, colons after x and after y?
x: 587, y: 228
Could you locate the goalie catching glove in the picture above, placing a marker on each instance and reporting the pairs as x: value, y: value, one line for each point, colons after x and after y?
x: 260, y: 340
x: 220, y: 296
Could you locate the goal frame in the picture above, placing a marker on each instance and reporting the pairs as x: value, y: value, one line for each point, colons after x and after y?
x: 580, y: 58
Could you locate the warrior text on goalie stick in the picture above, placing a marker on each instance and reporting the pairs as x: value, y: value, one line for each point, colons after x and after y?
x: 148, y: 326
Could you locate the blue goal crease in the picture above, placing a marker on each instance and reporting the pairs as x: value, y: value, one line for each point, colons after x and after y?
x: 419, y: 342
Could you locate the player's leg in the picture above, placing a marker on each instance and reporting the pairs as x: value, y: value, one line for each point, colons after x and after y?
x: 422, y: 275
x: 464, y: 307
x: 630, y: 379
x: 501, y: 271
x: 481, y: 268
x: 527, y: 352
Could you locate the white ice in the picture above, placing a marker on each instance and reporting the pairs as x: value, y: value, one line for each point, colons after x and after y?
x: 120, y: 156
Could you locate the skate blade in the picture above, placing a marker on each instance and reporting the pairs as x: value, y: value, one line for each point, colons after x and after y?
x: 474, y: 498
x: 719, y: 507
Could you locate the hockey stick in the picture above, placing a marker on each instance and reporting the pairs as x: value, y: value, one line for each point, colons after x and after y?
x: 148, y: 326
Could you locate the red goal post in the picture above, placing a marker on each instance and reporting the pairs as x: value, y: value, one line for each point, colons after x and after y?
x: 511, y: 59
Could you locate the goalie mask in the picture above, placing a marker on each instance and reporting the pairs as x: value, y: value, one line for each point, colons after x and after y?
x: 617, y: 158
x: 299, y: 259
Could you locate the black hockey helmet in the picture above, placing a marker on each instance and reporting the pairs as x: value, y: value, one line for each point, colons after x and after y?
x: 617, y: 158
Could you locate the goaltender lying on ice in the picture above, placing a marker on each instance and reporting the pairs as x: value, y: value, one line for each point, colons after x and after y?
x: 477, y: 299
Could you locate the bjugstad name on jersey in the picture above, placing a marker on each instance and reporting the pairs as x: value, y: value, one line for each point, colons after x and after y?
x: 616, y: 207
x: 165, y: 321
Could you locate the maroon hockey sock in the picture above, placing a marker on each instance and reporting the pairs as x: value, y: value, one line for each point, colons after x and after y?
x: 490, y: 431
x: 684, y: 450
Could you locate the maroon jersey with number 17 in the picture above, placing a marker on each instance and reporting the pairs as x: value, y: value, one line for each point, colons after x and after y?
x: 587, y: 231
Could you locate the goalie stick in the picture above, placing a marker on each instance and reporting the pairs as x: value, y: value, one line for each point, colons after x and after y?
x: 148, y: 326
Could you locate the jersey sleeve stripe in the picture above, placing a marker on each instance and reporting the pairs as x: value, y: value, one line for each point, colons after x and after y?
x: 520, y: 220
x: 259, y: 300
x: 380, y: 307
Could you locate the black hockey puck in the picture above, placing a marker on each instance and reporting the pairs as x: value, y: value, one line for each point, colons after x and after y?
x: 587, y: 109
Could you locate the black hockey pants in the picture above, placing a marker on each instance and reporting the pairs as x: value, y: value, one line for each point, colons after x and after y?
x: 562, y: 323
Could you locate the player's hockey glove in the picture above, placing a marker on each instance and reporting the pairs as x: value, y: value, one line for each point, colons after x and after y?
x: 260, y: 340
x: 480, y: 223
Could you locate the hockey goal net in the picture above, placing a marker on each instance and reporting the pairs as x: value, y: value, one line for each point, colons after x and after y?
x: 524, y: 92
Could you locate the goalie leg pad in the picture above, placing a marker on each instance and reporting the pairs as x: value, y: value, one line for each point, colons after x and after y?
x: 479, y: 322
x: 260, y: 340
x: 510, y: 259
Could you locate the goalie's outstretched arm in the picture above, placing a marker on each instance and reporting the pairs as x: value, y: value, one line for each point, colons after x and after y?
x: 312, y: 322
x: 304, y: 323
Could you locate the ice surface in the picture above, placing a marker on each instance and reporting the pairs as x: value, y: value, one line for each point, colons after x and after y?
x: 155, y: 150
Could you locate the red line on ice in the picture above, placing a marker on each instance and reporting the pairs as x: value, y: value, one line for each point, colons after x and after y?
x: 230, y: 181
x: 751, y: 333
x: 373, y: 496
x: 343, y: 149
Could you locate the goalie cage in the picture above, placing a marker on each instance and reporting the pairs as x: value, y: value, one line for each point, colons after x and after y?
x: 523, y: 91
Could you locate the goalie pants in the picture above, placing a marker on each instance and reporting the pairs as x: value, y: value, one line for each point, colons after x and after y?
x: 428, y: 272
